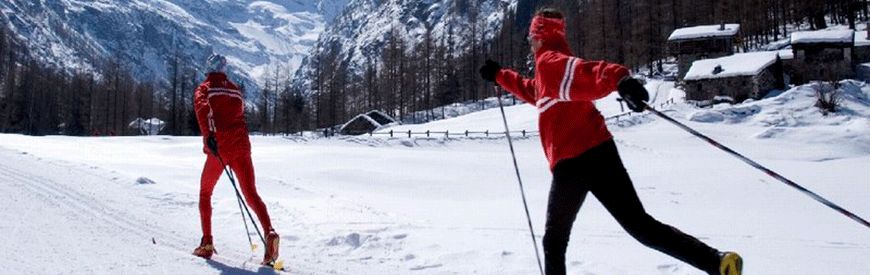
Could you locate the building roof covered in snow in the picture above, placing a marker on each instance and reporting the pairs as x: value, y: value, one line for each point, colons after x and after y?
x: 822, y: 36
x: 861, y: 39
x: 150, y: 126
x: 704, y: 31
x: 786, y: 54
x: 744, y: 64
x: 368, y: 122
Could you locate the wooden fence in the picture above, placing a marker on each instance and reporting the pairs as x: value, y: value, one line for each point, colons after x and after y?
x: 488, y: 133
x: 459, y: 134
x: 448, y: 134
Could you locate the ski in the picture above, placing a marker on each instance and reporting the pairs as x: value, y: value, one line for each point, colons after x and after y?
x: 277, y: 265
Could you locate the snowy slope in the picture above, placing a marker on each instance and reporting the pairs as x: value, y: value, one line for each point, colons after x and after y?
x: 144, y: 34
x: 526, y: 118
x: 434, y: 206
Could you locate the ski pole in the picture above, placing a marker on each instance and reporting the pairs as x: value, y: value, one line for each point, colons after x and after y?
x: 245, y: 222
x: 758, y: 166
x: 507, y: 133
x: 241, y: 202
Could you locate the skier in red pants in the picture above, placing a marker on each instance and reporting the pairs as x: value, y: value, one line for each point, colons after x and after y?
x: 581, y: 151
x: 220, y: 112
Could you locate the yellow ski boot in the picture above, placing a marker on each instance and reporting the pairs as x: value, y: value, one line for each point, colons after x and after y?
x: 205, y: 249
x: 730, y: 263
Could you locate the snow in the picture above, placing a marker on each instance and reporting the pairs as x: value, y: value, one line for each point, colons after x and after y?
x: 368, y: 117
x: 786, y: 54
x: 861, y: 39
x: 359, y: 205
x: 704, y: 32
x: 519, y: 118
x: 471, y: 117
x: 707, y: 116
x: 822, y: 36
x: 743, y: 64
x: 257, y: 35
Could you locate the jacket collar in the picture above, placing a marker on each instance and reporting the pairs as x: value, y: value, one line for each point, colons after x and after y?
x: 216, y: 76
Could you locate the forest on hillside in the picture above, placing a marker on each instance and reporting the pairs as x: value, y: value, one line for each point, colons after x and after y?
x: 408, y: 79
x: 39, y: 100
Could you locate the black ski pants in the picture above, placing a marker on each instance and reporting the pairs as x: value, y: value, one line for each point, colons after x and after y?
x: 600, y: 171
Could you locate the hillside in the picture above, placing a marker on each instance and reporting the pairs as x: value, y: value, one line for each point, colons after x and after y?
x: 145, y: 35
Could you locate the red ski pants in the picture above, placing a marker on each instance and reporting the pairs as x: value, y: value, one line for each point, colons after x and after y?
x: 244, y: 170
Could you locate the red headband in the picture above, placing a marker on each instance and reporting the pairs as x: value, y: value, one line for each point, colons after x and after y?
x: 543, y: 28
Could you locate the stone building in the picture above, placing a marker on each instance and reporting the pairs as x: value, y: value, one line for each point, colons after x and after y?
x: 823, y: 55
x: 701, y: 42
x: 367, y: 123
x: 734, y: 78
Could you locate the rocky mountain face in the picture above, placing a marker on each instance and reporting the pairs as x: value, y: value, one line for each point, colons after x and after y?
x: 145, y: 35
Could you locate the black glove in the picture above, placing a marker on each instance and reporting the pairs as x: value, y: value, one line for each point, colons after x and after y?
x: 634, y: 94
x: 211, y: 142
x: 489, y: 70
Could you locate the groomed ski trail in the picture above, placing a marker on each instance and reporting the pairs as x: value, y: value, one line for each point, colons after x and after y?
x: 62, y: 209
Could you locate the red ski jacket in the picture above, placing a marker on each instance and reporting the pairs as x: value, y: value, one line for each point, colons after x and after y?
x: 563, y: 90
x: 220, y: 110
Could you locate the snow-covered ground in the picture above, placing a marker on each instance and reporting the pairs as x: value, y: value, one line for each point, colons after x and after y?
x: 462, y: 118
x: 360, y: 205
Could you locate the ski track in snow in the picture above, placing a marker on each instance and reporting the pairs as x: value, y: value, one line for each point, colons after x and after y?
x: 80, y: 209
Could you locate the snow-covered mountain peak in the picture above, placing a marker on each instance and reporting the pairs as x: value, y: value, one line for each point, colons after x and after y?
x: 256, y: 35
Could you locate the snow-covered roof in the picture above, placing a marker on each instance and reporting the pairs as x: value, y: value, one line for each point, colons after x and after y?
x: 786, y: 54
x: 744, y: 64
x: 823, y: 36
x: 704, y: 31
x: 376, y: 118
x: 861, y: 39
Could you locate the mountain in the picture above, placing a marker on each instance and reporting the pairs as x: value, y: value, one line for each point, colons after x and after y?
x: 144, y: 34
x: 360, y: 33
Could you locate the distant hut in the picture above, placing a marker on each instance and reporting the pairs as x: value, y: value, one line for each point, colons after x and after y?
x: 701, y: 42
x: 366, y: 123
x: 861, y: 54
x: 823, y: 55
x: 148, y: 127
x: 734, y: 78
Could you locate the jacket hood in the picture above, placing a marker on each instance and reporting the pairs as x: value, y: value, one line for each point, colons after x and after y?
x: 551, y: 31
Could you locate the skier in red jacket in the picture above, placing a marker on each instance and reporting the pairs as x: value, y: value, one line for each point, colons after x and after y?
x: 582, y: 155
x: 220, y: 112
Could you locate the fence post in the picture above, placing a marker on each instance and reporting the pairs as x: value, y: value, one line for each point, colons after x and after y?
x: 391, y: 133
x: 427, y: 133
x: 486, y: 133
x: 466, y: 133
x: 447, y: 133
x: 409, y: 133
x: 524, y: 133
x: 621, y: 107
